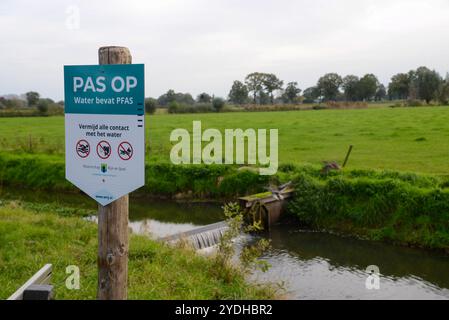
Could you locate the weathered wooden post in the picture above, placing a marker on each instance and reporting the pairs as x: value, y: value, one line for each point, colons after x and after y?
x: 113, y: 220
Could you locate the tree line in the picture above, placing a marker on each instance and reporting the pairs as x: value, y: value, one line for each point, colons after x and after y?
x: 261, y: 88
x: 32, y: 101
x: 420, y: 84
x: 266, y: 88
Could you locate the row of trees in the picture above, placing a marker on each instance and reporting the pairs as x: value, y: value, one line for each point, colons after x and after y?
x: 30, y: 100
x: 266, y: 88
x: 422, y: 84
x: 262, y: 87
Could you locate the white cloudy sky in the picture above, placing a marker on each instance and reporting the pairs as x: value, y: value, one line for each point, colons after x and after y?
x: 203, y: 45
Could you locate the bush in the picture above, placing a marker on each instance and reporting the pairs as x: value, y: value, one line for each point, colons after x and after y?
x: 173, y: 107
x: 42, y: 106
x: 218, y: 104
x: 414, y: 103
x: 346, y: 104
x: 150, y: 105
x: 203, y: 107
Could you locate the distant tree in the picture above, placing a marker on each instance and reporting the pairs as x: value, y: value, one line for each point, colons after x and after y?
x: 381, y: 93
x: 43, y: 105
x: 291, y: 92
x: 271, y: 83
x: 166, y: 98
x: 3, y: 103
x: 311, y: 94
x: 150, y: 105
x: 350, y: 87
x: 218, y: 104
x: 443, y: 91
x: 238, y: 93
x: 264, y: 98
x: 184, y: 98
x: 329, y: 86
x: 399, y: 86
x: 171, y: 95
x: 427, y: 82
x: 32, y: 98
x: 203, y: 98
x: 367, y: 87
x: 255, y: 84
x: 13, y: 103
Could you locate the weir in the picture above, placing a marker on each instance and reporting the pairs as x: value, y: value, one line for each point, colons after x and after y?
x: 200, y: 238
x: 265, y: 207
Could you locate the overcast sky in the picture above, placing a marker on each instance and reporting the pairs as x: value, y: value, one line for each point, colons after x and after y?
x: 203, y: 45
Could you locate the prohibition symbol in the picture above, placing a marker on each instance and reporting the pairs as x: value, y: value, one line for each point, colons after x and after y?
x: 125, y: 150
x: 103, y: 149
x: 82, y: 148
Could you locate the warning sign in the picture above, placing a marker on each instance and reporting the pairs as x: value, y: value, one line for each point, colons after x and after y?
x: 82, y: 148
x: 103, y: 149
x: 125, y: 151
x: 104, y: 110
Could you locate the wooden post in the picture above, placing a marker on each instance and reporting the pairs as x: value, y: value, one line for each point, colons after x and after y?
x: 347, y: 156
x: 113, y: 220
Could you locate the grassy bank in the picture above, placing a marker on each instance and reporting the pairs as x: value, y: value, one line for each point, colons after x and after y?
x: 402, y: 208
x: 406, y: 208
x: 402, y: 139
x: 31, y: 238
x: 161, y: 179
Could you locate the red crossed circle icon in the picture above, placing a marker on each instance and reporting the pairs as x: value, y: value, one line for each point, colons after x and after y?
x: 83, y: 148
x: 125, y: 150
x: 103, y: 149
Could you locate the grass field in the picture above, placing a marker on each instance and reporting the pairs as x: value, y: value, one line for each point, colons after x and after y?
x: 404, y: 139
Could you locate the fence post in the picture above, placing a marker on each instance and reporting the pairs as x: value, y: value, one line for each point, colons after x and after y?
x: 113, y: 220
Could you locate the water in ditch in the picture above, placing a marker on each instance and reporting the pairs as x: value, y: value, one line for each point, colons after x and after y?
x: 309, y: 265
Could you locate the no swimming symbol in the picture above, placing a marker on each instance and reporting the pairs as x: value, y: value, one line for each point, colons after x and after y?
x: 125, y: 150
x: 82, y: 148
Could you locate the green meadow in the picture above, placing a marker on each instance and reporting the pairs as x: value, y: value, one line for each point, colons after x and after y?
x: 402, y: 139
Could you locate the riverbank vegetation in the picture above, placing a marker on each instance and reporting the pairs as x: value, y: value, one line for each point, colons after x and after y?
x: 405, y: 208
x: 31, y: 236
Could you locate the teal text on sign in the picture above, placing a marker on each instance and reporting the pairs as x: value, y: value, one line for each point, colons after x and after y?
x: 104, y: 89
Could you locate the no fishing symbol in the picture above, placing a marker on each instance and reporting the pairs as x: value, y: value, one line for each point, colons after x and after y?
x: 103, y: 149
x: 82, y: 148
x: 125, y: 151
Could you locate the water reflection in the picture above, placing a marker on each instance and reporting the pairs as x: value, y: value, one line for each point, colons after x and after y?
x: 323, y: 266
